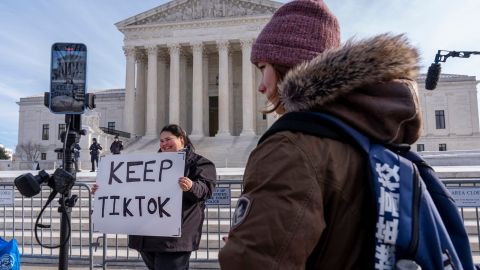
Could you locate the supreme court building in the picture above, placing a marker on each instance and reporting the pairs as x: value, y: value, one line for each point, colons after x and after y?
x: 188, y: 62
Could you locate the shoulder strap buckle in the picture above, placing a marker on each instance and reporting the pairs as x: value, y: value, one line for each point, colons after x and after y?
x: 399, y: 148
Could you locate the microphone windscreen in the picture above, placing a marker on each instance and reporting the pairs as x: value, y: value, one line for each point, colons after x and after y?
x: 433, y: 75
x: 27, y: 185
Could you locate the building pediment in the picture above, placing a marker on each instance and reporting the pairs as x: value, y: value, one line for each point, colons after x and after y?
x: 193, y: 10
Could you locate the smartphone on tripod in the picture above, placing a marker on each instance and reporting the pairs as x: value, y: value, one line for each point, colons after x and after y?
x: 68, y: 75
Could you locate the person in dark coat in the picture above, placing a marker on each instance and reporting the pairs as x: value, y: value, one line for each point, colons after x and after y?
x: 173, y: 253
x: 197, y: 185
x: 76, y: 156
x: 94, y: 152
x: 116, y: 146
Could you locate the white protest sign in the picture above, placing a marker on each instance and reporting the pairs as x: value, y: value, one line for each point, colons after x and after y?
x: 139, y: 194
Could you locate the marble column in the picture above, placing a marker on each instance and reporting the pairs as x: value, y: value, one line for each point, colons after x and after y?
x: 248, y: 102
x: 128, y: 115
x: 223, y: 93
x: 197, y: 90
x: 185, y: 107
x: 162, y: 97
x: 140, y: 111
x: 174, y: 101
x: 206, y: 101
x: 151, y: 102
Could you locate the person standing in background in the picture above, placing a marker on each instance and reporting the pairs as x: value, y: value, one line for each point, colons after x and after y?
x: 94, y: 153
x: 116, y: 146
x: 76, y: 156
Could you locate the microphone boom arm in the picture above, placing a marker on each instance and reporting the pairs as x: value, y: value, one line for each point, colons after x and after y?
x: 442, y: 55
x: 434, y: 70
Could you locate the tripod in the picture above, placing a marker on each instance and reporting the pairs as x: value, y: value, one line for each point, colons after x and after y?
x: 71, y: 137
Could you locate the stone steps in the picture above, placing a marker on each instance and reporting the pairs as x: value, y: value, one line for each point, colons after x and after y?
x: 223, y: 151
x: 120, y: 254
x: 81, y: 238
x: 33, y: 212
x: 210, y: 239
x: 212, y: 226
x: 77, y: 223
x: 212, y: 212
x: 37, y: 207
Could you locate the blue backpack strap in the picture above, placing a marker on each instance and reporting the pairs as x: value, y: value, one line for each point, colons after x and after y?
x: 318, y: 124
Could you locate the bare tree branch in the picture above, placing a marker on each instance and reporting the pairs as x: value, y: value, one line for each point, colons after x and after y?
x: 29, y: 151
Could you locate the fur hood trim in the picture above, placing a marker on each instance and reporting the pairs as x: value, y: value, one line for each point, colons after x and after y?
x: 336, y: 72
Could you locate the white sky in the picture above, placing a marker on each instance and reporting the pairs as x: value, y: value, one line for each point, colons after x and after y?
x: 28, y: 28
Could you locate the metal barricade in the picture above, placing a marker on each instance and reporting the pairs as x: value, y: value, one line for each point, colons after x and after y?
x: 470, y: 214
x: 19, y: 215
x: 19, y: 219
x: 217, y: 224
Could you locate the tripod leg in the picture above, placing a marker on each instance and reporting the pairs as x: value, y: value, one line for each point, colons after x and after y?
x: 64, y: 227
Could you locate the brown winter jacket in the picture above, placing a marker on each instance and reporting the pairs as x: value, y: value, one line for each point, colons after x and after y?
x: 306, y: 201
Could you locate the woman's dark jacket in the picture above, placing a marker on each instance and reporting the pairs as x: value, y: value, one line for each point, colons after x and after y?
x: 203, y: 174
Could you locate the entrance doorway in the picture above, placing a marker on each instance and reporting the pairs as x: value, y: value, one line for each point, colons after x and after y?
x: 213, y: 116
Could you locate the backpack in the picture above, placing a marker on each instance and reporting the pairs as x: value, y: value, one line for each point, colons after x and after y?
x: 417, y: 220
x: 9, y: 255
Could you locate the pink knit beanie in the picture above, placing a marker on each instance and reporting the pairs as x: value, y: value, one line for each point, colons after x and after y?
x: 297, y: 32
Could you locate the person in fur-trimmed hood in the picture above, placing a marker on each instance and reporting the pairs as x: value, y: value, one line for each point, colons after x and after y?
x: 306, y: 202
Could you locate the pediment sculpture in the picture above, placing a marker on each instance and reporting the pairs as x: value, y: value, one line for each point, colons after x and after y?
x: 206, y: 9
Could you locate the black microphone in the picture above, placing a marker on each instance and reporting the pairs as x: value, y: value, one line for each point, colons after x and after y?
x: 433, y: 75
x: 29, y: 185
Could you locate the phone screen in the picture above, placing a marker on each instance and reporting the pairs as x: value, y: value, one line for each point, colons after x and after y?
x: 68, y: 78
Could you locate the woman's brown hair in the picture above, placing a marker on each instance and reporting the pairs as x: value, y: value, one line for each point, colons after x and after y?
x: 280, y: 72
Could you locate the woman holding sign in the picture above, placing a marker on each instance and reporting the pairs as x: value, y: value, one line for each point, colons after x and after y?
x: 197, y: 185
